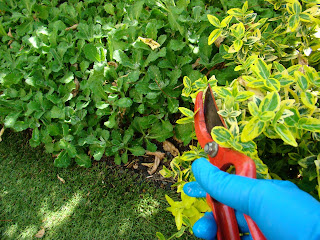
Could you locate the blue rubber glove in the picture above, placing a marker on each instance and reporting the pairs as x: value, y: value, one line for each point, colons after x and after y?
x: 206, y: 227
x: 280, y: 209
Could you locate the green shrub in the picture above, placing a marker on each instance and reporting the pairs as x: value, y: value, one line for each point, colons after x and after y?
x: 93, y: 78
x: 271, y: 109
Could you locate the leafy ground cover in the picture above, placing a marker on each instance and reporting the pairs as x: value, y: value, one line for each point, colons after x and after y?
x: 102, y: 202
x: 100, y: 78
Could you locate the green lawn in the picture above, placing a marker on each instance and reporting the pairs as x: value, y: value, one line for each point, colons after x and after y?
x: 97, y: 203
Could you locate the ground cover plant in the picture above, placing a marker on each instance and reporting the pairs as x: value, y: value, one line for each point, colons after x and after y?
x: 102, y: 202
x: 94, y: 79
x: 271, y: 109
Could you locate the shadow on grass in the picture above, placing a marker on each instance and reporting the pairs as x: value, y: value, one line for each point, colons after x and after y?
x: 96, y: 203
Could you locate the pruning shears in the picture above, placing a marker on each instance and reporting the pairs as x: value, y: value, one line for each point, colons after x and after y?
x: 207, y: 117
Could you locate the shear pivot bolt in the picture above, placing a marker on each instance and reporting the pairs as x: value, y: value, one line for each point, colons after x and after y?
x: 211, y: 149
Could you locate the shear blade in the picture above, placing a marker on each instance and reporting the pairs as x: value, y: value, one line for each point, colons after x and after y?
x: 212, y: 118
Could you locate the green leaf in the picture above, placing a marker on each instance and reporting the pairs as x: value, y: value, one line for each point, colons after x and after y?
x: 252, y: 129
x: 150, y: 146
x: 186, y: 112
x: 243, y: 96
x: 309, y: 124
x: 226, y: 21
x: 62, y: 160
x: 124, y: 102
x: 83, y: 160
x: 124, y: 157
x: 266, y: 116
x: 137, y: 150
x: 160, y: 236
x: 214, y: 36
x: 12, y: 78
x: 261, y: 69
x: 184, y: 132
x: 173, y: 105
x: 35, y: 140
x: 239, y: 31
x: 221, y: 135
x: 285, y: 134
x: 185, y: 120
x: 271, y: 102
x: 109, y: 8
x: 223, y: 92
x: 237, y: 44
x: 57, y: 112
x: 117, y: 159
x: 161, y: 131
x: 123, y: 59
x: 301, y: 80
x: 292, y: 120
x: 308, y: 99
x: 91, y: 52
x: 305, y: 17
x: 272, y: 83
x: 11, y: 119
x: 293, y: 22
x: 214, y: 21
x: 172, y: 18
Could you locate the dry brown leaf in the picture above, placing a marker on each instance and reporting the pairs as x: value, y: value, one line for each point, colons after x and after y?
x: 177, y: 140
x: 131, y: 164
x: 76, y: 90
x: 40, y: 233
x: 196, y: 64
x: 160, y: 155
x: 61, y: 179
x: 169, y: 147
x: 219, y: 41
x: 73, y: 27
x: 150, y: 42
x: 9, y: 33
x: 135, y: 165
x: 114, y: 64
x: 1, y: 133
x: 155, y: 165
x: 147, y: 164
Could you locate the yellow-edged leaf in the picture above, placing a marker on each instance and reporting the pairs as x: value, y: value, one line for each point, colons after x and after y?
x: 214, y: 21
x: 285, y: 134
x: 252, y: 129
x: 214, y: 36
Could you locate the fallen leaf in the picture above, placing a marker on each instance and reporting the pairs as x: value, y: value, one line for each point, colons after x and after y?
x: 61, y: 179
x: 9, y: 33
x: 177, y: 140
x: 160, y: 155
x: 150, y: 42
x: 131, y: 164
x: 40, y: 233
x: 169, y: 147
x: 73, y: 27
x: 135, y: 165
x: 147, y: 164
x: 155, y: 165
x: 1, y: 133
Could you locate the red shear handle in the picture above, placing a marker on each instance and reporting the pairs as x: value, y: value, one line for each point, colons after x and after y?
x: 224, y: 215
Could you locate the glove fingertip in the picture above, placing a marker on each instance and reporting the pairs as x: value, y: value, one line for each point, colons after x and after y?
x: 193, y: 189
x: 205, y: 227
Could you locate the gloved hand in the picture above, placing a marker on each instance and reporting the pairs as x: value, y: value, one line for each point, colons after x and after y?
x: 280, y: 209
